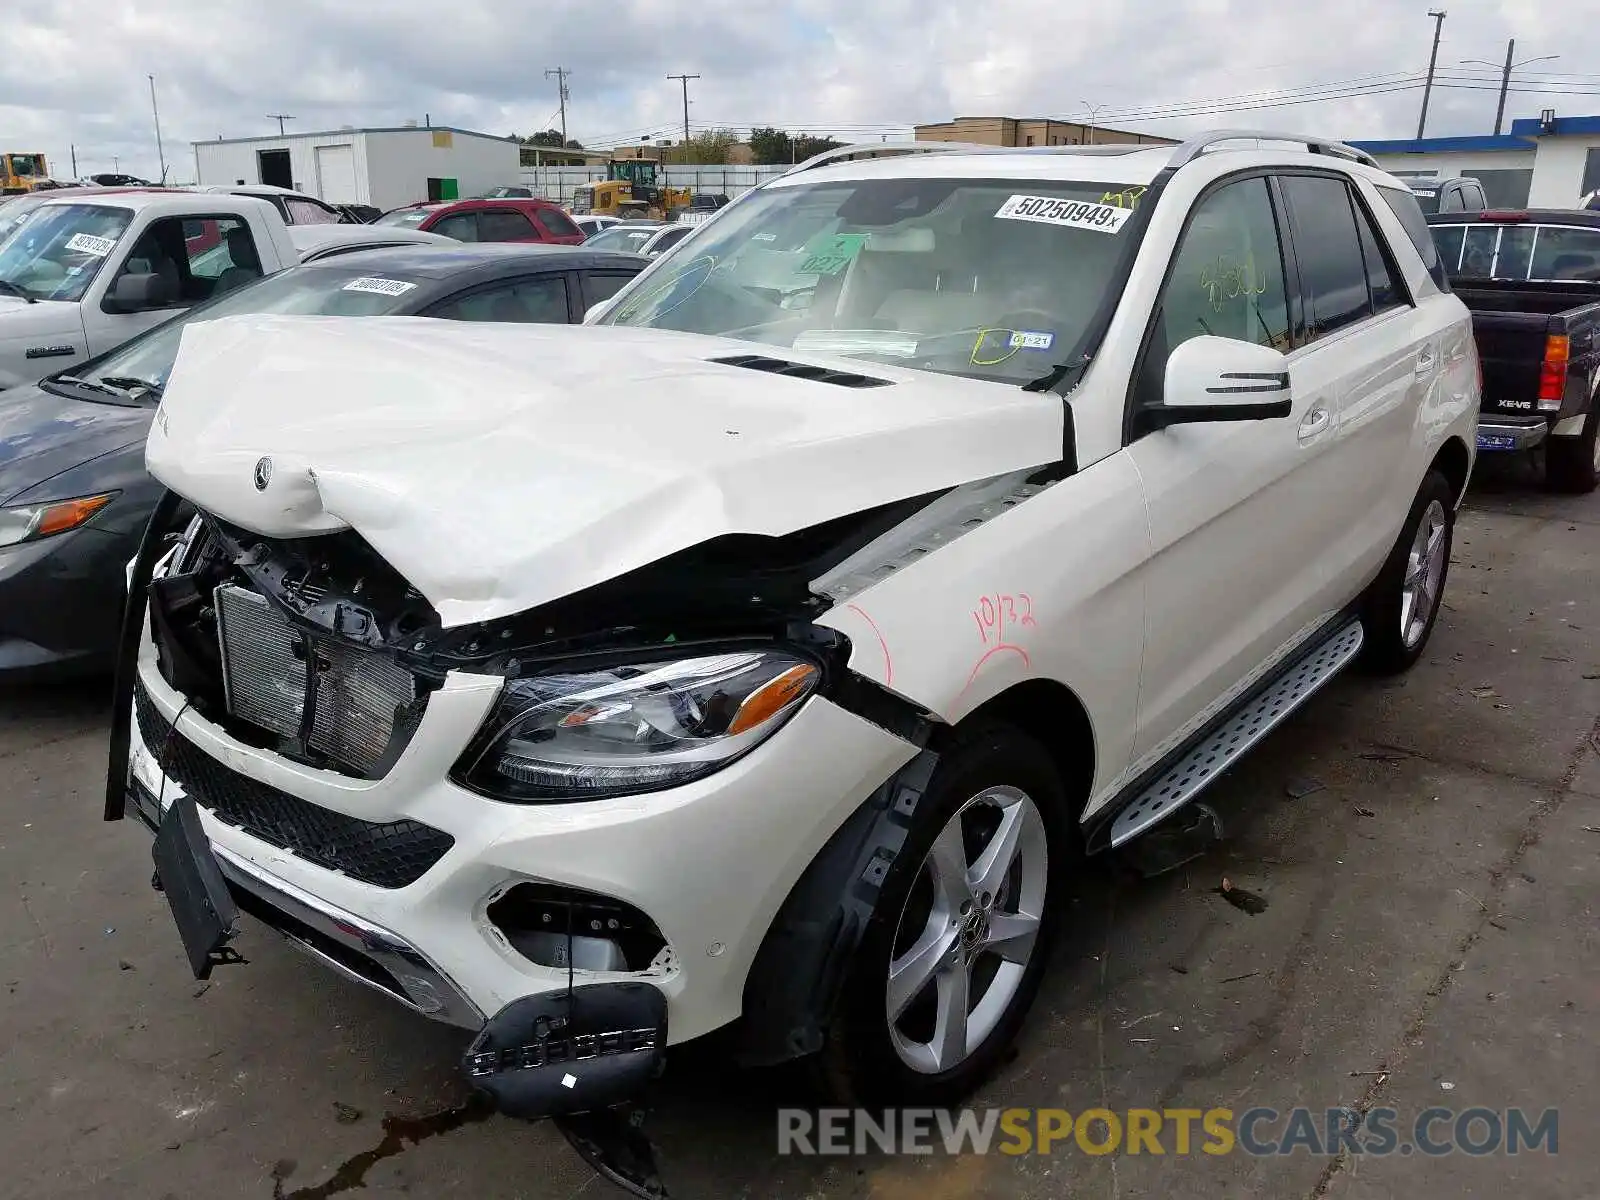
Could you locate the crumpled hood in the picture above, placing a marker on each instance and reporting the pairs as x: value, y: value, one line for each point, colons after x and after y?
x: 498, y: 467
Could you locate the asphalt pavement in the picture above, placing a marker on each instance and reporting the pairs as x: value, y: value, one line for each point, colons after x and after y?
x: 1427, y: 851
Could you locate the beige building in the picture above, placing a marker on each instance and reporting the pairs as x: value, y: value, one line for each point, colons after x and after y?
x: 1031, y: 131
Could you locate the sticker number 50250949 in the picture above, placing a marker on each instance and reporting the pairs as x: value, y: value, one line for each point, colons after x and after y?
x: 1076, y: 214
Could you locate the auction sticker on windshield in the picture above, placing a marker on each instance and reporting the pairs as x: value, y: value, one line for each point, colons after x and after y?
x: 1076, y: 214
x: 378, y: 287
x: 832, y: 253
x: 87, y: 243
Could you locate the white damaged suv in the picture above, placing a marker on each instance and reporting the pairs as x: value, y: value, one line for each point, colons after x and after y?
x: 755, y: 654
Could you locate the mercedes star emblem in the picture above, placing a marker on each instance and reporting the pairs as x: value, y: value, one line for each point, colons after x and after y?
x: 263, y: 473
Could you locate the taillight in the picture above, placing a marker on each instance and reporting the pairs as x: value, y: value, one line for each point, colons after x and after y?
x: 1553, y: 372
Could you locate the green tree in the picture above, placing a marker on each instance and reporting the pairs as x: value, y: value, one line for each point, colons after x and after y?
x: 710, y: 147
x: 806, y: 146
x: 769, y: 146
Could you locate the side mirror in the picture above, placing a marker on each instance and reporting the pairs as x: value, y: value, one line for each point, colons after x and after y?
x: 138, y: 293
x: 1220, y: 379
x: 594, y: 310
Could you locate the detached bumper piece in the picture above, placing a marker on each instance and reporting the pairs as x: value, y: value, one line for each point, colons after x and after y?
x: 201, y: 906
x: 583, y: 1057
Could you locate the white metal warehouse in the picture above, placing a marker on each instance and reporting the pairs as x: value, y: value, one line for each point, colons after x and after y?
x: 384, y: 167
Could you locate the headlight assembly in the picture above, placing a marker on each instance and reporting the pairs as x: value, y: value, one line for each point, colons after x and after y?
x: 633, y: 728
x: 31, y: 522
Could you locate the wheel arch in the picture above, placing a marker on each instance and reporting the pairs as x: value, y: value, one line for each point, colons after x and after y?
x: 1051, y: 714
x: 1454, y: 462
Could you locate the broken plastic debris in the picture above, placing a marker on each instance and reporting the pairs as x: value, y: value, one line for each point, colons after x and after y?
x: 345, y: 1114
x: 1484, y: 693
x: 1241, y: 898
x: 1446, y: 1085
x: 1295, y: 789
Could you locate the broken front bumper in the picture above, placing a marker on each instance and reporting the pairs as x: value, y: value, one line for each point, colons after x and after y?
x: 710, y: 862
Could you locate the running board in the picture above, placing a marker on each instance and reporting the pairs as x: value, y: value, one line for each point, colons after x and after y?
x: 1190, y: 775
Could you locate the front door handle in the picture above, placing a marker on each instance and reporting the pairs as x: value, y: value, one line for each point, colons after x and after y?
x: 1315, y: 422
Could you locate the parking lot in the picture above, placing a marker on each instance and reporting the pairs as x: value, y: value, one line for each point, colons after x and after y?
x: 1428, y: 850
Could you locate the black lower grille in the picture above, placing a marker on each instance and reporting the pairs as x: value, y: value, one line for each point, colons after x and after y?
x: 389, y: 855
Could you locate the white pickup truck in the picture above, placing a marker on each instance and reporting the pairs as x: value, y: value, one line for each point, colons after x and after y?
x: 80, y: 276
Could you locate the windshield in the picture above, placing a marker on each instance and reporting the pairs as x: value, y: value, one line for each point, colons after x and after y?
x: 337, y: 288
x: 623, y: 237
x: 58, y: 249
x: 408, y: 217
x: 993, y: 279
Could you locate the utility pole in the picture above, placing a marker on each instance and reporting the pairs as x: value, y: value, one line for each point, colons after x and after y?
x: 561, y: 74
x: 161, y: 154
x: 684, y: 79
x: 280, y: 118
x: 74, y: 150
x: 1505, y: 75
x: 1438, y: 15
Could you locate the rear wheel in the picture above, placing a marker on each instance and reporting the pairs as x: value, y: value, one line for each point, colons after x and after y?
x: 949, y: 966
x: 1403, y: 602
x: 1572, y: 464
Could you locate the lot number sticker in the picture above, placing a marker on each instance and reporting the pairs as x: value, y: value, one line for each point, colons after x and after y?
x: 87, y: 243
x: 1076, y: 214
x: 379, y: 287
x: 1029, y: 339
x: 832, y: 253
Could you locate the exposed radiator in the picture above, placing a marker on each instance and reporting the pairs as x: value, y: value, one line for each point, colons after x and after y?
x: 358, y: 691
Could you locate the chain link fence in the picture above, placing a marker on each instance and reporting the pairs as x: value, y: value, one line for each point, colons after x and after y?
x: 557, y: 183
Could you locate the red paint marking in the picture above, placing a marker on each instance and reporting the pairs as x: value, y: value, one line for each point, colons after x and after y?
x: 888, y: 661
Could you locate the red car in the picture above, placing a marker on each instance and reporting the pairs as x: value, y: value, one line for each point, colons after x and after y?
x: 490, y: 221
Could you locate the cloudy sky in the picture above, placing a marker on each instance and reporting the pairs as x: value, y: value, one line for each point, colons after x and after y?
x: 74, y: 72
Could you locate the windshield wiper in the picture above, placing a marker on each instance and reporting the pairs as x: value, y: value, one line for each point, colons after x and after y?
x: 87, y: 384
x: 1057, y: 375
x: 16, y: 289
x: 132, y: 383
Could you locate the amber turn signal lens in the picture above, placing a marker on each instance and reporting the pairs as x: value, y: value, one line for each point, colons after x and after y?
x: 69, y: 514
x: 772, y: 697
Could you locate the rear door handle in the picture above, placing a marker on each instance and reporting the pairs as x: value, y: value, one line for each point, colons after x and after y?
x: 1315, y: 422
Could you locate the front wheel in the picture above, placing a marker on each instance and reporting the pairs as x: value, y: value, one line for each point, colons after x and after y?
x: 1572, y: 464
x: 1403, y: 602
x: 949, y: 966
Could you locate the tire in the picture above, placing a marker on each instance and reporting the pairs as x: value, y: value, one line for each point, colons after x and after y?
x: 1395, y: 631
x: 1572, y: 464
x: 993, y: 776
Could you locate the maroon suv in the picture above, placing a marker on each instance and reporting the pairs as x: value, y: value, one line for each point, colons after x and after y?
x: 490, y: 221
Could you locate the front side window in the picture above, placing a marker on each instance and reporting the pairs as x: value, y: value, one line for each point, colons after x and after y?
x: 58, y: 249
x: 504, y: 225
x: 989, y: 278
x: 461, y: 226
x: 1333, y: 273
x: 541, y: 301
x: 1227, y: 276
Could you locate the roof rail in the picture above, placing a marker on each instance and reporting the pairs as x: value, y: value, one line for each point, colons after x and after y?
x: 1196, y: 146
x: 843, y: 152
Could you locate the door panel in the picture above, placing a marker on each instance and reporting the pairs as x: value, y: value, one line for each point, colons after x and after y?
x: 1237, y: 509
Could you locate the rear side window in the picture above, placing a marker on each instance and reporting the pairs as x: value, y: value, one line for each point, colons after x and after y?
x: 1564, y: 252
x: 1386, y: 292
x: 461, y: 226
x: 1333, y: 272
x: 1409, y: 214
x: 504, y: 225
